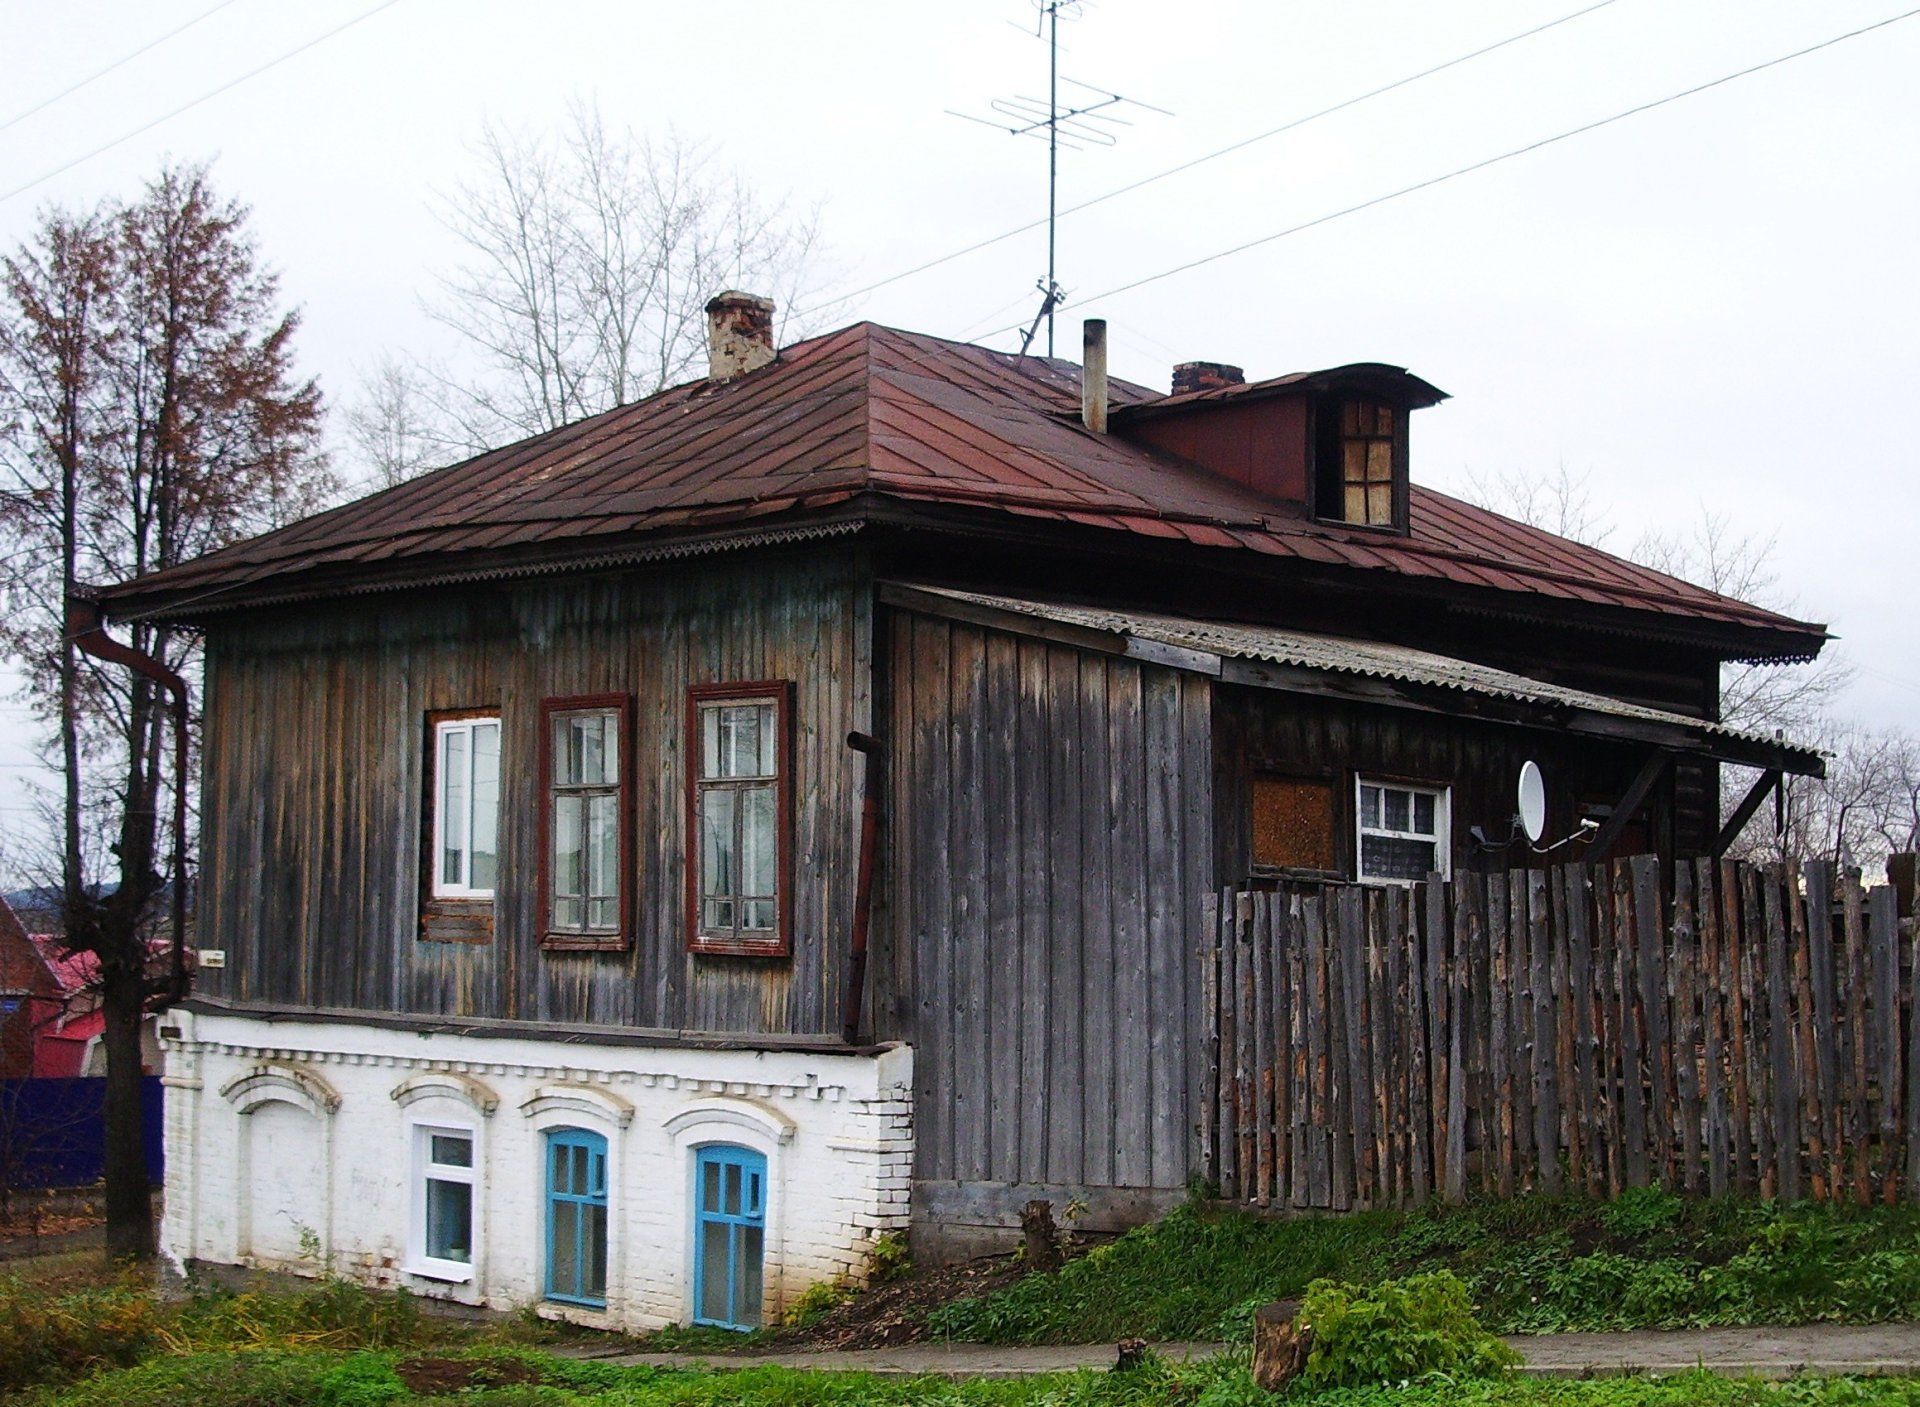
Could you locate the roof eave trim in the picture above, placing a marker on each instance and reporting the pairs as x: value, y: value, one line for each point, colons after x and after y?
x: 1678, y: 736
x: 198, y: 607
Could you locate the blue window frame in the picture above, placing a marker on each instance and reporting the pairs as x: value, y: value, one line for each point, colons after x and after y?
x: 729, y: 1236
x: 577, y: 1217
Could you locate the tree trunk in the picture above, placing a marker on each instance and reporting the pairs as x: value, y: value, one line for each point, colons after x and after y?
x: 1280, y: 1344
x: 129, y: 1193
x: 1042, y: 1238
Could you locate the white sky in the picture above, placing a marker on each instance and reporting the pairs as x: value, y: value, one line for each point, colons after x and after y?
x: 1711, y: 304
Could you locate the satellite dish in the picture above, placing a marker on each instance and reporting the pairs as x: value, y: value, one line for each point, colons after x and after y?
x: 1532, y: 802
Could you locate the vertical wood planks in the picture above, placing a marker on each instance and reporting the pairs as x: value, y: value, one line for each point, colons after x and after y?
x: 1566, y: 1028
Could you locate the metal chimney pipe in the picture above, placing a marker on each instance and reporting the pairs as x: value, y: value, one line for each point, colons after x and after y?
x: 1093, y: 375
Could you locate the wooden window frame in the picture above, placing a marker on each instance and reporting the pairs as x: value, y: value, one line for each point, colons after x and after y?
x: 699, y: 696
x: 565, y: 940
x: 1337, y: 825
x: 453, y: 918
x: 1442, y: 837
x: 1329, y: 469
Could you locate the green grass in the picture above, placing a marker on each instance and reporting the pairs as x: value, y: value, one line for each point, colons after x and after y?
x: 329, y: 1378
x: 1532, y: 1265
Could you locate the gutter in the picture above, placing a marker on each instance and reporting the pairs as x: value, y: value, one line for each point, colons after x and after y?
x: 86, y: 629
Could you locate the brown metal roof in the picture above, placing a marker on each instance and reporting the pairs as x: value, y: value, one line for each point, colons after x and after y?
x: 876, y: 413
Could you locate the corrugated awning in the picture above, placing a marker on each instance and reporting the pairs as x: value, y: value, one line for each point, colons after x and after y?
x: 1362, y: 670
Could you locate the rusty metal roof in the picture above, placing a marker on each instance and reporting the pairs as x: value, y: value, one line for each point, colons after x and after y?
x: 1209, y: 642
x: 873, y: 414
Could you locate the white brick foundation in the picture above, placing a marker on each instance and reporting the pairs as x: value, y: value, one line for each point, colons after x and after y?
x: 289, y: 1147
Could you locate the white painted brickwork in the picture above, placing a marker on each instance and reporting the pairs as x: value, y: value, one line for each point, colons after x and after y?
x: 290, y: 1146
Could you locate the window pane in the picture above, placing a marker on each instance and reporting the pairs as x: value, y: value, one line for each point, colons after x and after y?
x: 450, y: 1150
x: 1380, y: 461
x: 1396, y: 808
x: 565, y: 759
x: 449, y: 1221
x: 1369, y: 806
x: 486, y: 804
x: 769, y: 736
x: 752, y: 1249
x: 1389, y: 857
x: 1354, y: 461
x: 730, y: 1202
x: 710, y: 742
x: 713, y: 1270
x: 565, y: 1276
x: 562, y: 1165
x: 1350, y: 412
x: 716, y: 913
x: 756, y: 913
x: 1383, y: 420
x: 1380, y: 504
x: 453, y: 806
x: 740, y: 734
x: 569, y: 861
x: 603, y: 845
x: 1423, y: 812
x: 759, y: 840
x: 595, y: 1287
x: 1355, y: 510
x: 716, y: 842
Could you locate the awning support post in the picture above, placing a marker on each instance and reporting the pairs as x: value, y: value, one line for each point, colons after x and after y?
x: 1750, y: 803
x: 1629, y: 805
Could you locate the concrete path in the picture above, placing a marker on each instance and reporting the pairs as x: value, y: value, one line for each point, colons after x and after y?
x: 1880, y: 1350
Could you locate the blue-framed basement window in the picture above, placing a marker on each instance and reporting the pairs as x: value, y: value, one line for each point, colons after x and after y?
x: 730, y: 1236
x: 577, y: 1217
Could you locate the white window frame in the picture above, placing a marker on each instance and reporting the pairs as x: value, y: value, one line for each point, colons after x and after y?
x: 423, y: 1168
x: 441, y: 729
x: 1441, y: 838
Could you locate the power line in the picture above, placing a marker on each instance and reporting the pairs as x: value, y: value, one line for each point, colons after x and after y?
x: 1244, y: 142
x: 1483, y: 164
x: 104, y: 147
x: 120, y: 62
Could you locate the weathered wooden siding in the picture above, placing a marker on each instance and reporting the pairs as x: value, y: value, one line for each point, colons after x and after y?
x: 314, y: 759
x: 1049, y: 843
x: 1298, y: 735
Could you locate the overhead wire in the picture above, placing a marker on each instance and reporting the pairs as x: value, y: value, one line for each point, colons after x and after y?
x: 192, y: 103
x: 120, y: 62
x: 1201, y: 160
x: 1484, y: 163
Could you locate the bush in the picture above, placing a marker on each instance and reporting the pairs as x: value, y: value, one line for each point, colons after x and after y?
x: 1397, y: 1332
x: 364, y: 1380
x: 336, y: 1314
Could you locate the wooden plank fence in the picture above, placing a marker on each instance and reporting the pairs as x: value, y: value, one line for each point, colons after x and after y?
x: 1718, y: 1029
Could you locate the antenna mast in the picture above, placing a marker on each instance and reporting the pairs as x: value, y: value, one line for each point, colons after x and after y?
x: 1089, y: 124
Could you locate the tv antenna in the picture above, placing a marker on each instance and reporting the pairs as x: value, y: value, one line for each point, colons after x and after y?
x: 1089, y: 120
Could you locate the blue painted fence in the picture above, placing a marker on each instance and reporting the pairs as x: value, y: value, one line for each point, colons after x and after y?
x: 52, y: 1132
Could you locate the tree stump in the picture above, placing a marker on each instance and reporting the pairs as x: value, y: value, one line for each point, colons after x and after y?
x: 1042, y: 1237
x: 1280, y: 1344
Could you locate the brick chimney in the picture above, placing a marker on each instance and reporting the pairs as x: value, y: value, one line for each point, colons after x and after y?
x: 739, y: 334
x: 1205, y: 376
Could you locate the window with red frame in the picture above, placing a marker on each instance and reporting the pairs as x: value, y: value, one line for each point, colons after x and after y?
x: 584, y: 764
x: 739, y: 815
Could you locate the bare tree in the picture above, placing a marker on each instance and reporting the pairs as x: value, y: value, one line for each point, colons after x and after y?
x: 392, y: 426
x: 587, y: 261
x: 1563, y: 503
x: 149, y: 412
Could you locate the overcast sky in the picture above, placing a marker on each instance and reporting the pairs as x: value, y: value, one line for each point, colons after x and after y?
x: 1707, y: 307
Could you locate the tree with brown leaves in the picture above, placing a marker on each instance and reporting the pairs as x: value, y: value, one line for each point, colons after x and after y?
x: 150, y: 411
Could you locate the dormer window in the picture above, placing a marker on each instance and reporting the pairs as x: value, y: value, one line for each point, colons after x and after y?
x: 1361, y: 469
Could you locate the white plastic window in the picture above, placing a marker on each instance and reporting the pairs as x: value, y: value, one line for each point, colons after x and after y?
x: 1403, y: 831
x: 466, y: 807
x: 444, y: 1185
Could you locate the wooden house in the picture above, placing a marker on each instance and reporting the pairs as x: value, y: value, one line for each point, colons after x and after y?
x: 549, y: 797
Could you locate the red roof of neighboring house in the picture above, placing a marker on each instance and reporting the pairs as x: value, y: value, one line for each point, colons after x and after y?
x: 873, y: 413
x: 72, y: 971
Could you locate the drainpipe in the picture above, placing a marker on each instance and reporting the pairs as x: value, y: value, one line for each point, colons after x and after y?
x: 867, y: 746
x: 86, y: 627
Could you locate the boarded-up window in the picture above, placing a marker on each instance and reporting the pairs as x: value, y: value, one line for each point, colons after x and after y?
x: 1293, y: 823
